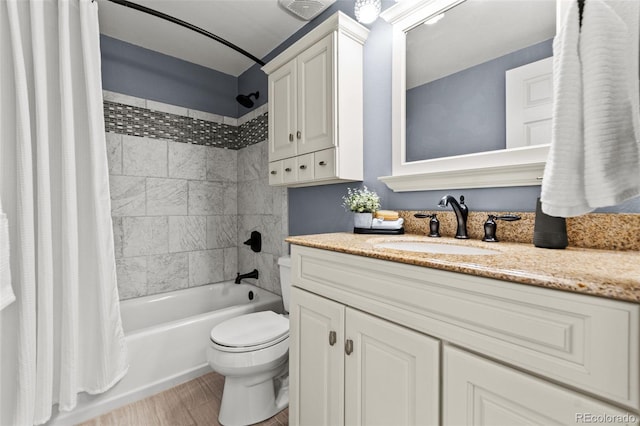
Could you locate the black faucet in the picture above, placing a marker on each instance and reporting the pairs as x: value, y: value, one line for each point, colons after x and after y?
x: 461, y: 210
x: 252, y: 274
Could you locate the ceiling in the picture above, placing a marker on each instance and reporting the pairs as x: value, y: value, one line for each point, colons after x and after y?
x: 257, y: 26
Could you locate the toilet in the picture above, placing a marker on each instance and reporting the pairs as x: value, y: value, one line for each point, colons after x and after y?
x: 252, y: 352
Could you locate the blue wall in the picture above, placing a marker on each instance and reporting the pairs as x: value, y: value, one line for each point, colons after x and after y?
x: 313, y: 209
x: 318, y: 209
x: 464, y: 112
x: 144, y: 73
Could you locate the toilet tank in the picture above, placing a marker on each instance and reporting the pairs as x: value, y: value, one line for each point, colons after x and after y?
x: 284, y: 263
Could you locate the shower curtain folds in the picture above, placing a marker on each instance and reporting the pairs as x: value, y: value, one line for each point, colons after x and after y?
x: 64, y: 334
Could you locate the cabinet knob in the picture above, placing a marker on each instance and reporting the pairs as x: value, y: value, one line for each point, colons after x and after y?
x: 288, y: 169
x: 302, y: 167
x: 273, y: 172
x: 322, y: 163
x: 332, y: 338
x: 299, y: 134
x: 290, y: 137
x: 348, y: 346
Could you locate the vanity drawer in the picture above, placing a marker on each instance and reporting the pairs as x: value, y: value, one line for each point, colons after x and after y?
x: 325, y: 164
x: 583, y: 341
x: 305, y: 167
x: 275, y: 173
x: 290, y: 170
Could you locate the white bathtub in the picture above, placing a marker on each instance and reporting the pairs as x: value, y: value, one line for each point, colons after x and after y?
x: 167, y: 335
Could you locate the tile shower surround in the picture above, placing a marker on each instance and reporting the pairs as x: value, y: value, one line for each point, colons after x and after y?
x: 261, y: 208
x: 175, y: 205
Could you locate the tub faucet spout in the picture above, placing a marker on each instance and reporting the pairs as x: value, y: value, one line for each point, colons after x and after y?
x: 461, y: 211
x: 252, y: 274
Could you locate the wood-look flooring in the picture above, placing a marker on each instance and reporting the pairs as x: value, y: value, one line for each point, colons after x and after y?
x: 194, y: 403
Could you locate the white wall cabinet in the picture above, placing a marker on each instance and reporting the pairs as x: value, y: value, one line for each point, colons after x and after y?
x: 315, y: 106
x: 348, y: 367
x: 512, y: 354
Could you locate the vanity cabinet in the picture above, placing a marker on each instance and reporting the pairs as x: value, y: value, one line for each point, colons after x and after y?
x: 349, y: 367
x: 315, y: 106
x: 510, y: 353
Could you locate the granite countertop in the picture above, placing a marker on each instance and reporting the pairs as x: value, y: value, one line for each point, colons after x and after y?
x: 605, y: 273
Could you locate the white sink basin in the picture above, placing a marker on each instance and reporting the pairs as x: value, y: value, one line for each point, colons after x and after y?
x: 436, y: 248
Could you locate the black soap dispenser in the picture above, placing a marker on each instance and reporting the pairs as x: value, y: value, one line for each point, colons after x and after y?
x: 549, y: 231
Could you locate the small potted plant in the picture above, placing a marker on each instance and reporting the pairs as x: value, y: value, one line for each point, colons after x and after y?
x: 363, y: 203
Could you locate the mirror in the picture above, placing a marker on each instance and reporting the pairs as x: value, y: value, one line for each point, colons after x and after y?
x: 455, y: 99
x: 459, y: 74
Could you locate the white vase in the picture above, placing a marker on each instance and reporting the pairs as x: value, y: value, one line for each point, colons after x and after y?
x: 362, y: 220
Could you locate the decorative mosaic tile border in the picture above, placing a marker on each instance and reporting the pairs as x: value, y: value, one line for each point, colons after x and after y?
x: 255, y: 130
x: 140, y: 117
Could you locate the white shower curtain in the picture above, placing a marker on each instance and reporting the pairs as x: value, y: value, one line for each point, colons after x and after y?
x: 63, y: 335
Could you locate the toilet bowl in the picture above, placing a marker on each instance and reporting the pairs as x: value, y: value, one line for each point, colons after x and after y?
x: 252, y: 352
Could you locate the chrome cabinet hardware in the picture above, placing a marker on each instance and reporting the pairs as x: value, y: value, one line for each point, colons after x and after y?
x: 332, y: 338
x: 348, y: 346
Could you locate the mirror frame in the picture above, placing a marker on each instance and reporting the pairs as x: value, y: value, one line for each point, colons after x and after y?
x: 501, y: 168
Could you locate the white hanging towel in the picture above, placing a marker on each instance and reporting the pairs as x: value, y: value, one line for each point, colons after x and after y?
x: 594, y: 160
x: 6, y: 291
x: 609, y: 52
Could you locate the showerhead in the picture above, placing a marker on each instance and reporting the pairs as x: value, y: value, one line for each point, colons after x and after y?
x: 245, y: 100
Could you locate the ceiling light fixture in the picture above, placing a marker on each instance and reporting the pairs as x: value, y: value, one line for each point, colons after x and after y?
x: 433, y: 20
x: 367, y: 11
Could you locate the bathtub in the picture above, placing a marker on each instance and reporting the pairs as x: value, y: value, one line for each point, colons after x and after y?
x: 167, y: 335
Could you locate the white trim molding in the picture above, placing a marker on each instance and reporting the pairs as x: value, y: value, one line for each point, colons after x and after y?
x: 336, y: 22
x: 479, y: 177
x: 508, y: 167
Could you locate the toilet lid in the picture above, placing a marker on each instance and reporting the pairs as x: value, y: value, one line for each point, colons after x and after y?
x: 251, y: 329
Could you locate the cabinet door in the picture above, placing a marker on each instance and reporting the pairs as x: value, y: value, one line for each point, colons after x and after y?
x: 480, y: 392
x: 316, y: 360
x: 282, y: 112
x: 392, y: 375
x: 315, y: 97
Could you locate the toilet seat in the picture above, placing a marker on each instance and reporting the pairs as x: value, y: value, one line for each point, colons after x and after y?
x: 250, y: 332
